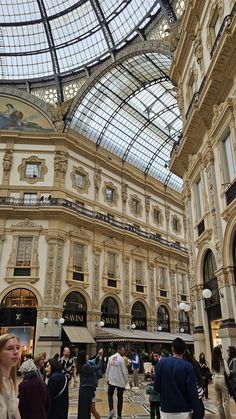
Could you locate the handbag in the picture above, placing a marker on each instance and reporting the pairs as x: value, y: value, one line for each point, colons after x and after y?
x: 61, y: 391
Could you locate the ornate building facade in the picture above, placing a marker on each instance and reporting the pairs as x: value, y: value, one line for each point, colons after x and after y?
x: 204, y: 69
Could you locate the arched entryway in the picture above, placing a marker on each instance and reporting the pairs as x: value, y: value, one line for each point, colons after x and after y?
x: 138, y: 314
x: 212, y: 305
x: 163, y: 319
x: 110, y: 313
x: 74, y: 331
x: 18, y: 313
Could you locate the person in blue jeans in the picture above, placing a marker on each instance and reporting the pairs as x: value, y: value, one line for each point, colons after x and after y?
x: 135, y: 366
x: 88, y: 382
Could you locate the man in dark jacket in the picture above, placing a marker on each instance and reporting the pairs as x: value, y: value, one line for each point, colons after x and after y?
x: 175, y: 381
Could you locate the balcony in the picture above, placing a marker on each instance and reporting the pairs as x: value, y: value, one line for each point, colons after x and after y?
x: 76, y: 208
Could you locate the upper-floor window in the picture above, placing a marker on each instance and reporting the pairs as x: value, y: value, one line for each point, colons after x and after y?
x: 78, y: 261
x: 176, y: 224
x: 111, y: 269
x: 198, y: 199
x: 109, y: 192
x: 228, y: 160
x: 162, y: 278
x: 139, y: 275
x: 30, y: 198
x: 32, y: 170
x: 182, y: 283
x: 80, y: 180
x: 157, y: 216
x: 23, y: 256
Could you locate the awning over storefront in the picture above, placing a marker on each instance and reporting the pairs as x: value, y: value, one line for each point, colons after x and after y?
x: 122, y: 335
x: 78, y: 334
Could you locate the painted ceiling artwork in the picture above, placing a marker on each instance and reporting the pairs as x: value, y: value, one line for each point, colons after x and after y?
x: 18, y: 115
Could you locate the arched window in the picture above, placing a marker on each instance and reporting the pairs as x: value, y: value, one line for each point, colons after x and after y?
x: 110, y: 312
x: 75, y: 302
x: 184, y: 326
x: 139, y: 316
x: 234, y: 255
x: 210, y: 282
x: 75, y: 310
x: 20, y: 297
x: 163, y: 319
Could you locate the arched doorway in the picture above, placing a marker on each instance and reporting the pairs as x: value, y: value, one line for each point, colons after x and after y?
x: 138, y: 314
x: 75, y: 334
x: 18, y: 313
x: 212, y: 305
x: 110, y: 313
x: 163, y: 319
x: 75, y: 310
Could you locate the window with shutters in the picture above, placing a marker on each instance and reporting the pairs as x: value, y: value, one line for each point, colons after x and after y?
x: 139, y: 276
x: 78, y: 265
x: 23, y: 256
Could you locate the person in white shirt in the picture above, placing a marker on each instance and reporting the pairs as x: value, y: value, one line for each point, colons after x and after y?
x: 117, y: 377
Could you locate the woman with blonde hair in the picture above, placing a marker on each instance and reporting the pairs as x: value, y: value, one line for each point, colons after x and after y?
x: 39, y: 361
x: 9, y: 360
x: 220, y: 368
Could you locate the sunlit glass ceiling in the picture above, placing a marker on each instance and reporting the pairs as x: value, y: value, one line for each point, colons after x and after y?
x: 39, y: 38
x: 132, y: 112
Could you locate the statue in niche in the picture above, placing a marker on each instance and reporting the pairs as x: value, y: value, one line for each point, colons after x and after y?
x: 7, y: 160
x: 97, y: 178
x: 61, y: 162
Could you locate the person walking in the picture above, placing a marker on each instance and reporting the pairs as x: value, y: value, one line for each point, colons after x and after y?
x: 135, y: 364
x: 175, y: 381
x: 34, y: 400
x: 154, y: 400
x: 58, y: 390
x: 88, y: 382
x: 205, y: 373
x: 68, y: 366
x: 117, y: 378
x: 9, y: 360
x: 232, y: 366
x: 220, y: 368
x: 199, y: 381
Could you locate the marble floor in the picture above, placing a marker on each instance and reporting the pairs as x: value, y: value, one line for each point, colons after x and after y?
x: 136, y: 405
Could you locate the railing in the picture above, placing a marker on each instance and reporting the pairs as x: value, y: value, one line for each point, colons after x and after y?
x: 225, y: 24
x: 195, y: 97
x: 60, y: 202
x: 230, y: 194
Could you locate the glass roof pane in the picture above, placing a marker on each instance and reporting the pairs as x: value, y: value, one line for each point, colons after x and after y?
x: 78, y: 33
x: 19, y: 11
x: 138, y: 123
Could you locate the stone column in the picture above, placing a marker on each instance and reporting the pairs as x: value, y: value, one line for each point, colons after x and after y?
x: 153, y: 313
x: 96, y: 278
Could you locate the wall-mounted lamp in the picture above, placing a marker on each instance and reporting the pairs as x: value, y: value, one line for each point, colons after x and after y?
x: 60, y: 321
x: 131, y: 326
x: 181, y: 330
x: 100, y: 324
x: 159, y: 328
x: 45, y: 321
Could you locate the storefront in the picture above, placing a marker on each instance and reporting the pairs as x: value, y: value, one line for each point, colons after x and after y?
x: 18, y: 313
x: 75, y: 333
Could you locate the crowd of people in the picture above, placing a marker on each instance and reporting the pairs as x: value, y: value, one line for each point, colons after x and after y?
x: 176, y: 389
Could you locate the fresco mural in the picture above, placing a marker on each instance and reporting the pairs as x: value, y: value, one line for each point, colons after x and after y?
x: 20, y: 116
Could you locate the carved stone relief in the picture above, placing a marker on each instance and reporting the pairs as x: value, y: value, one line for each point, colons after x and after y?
x: 96, y: 278
x: 60, y: 165
x: 7, y: 163
x: 151, y: 290
x: 126, y: 262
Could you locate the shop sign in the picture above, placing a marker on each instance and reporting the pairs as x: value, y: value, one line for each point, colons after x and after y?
x: 73, y: 318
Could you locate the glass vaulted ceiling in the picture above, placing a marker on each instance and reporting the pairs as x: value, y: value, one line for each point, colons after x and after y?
x: 132, y: 112
x: 41, y: 38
